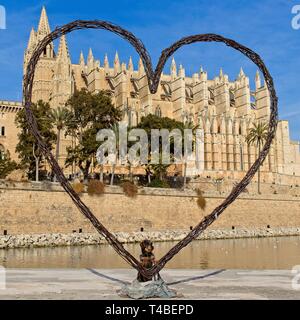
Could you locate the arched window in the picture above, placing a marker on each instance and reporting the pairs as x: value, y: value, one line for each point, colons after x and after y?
x: 2, y: 131
x: 158, y: 112
x: 2, y: 152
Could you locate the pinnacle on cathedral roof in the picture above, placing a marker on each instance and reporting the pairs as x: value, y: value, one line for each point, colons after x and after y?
x: 106, y: 61
x: 257, y: 75
x: 141, y: 65
x: 221, y: 73
x: 117, y: 60
x: 63, y: 51
x: 43, y: 28
x: 81, y: 59
x: 130, y: 64
x: 173, y: 67
x: 32, y: 39
x: 181, y: 72
x: 203, y: 74
x: 257, y: 80
x: 117, y: 63
x: 242, y: 73
x: 90, y: 56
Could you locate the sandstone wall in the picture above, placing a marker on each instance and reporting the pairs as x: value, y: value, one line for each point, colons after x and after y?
x: 32, y: 209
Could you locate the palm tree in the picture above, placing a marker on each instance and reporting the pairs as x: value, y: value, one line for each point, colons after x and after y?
x: 59, y: 118
x: 148, y: 169
x: 257, y: 136
x: 160, y: 169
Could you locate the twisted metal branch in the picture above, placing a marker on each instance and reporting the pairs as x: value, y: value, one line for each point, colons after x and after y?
x: 153, y: 80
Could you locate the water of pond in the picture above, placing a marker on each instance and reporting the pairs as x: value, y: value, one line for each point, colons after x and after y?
x: 260, y: 253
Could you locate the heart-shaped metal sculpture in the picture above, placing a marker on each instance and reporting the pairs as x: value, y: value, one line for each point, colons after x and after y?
x: 153, y: 79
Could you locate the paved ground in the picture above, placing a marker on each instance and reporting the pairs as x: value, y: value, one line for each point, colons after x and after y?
x: 193, y: 284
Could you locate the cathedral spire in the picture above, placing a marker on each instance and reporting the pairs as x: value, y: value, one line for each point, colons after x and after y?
x: 130, y: 65
x: 42, y: 31
x: 117, y: 63
x: 242, y: 73
x: 90, y: 56
x: 221, y: 73
x: 43, y: 28
x: 141, y: 66
x: 181, y: 72
x: 63, y: 51
x: 90, y: 61
x: 106, y: 62
x: 257, y: 80
x: 32, y: 39
x: 173, y: 68
x: 62, y: 81
x: 203, y: 74
x: 81, y: 59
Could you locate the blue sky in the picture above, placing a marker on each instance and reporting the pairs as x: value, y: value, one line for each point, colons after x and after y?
x: 263, y: 25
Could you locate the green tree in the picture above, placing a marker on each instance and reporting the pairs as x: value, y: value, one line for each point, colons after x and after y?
x: 29, y: 153
x: 59, y: 117
x: 89, y: 114
x: 6, y: 164
x: 257, y: 136
x: 154, y: 122
x: 160, y: 169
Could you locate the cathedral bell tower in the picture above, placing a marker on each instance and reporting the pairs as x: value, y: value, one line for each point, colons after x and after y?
x: 42, y: 84
x: 63, y: 84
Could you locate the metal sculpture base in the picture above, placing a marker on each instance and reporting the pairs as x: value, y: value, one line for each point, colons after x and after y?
x: 147, y: 290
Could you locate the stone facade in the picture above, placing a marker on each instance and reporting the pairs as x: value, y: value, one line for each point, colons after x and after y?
x: 8, y: 129
x: 224, y: 109
x: 31, y: 208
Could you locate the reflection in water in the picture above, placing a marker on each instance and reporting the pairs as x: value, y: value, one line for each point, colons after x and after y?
x: 262, y: 253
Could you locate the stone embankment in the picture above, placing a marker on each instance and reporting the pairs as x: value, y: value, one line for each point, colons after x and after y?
x: 77, y: 239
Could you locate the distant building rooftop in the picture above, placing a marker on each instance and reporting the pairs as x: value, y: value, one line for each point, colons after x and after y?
x: 10, y: 103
